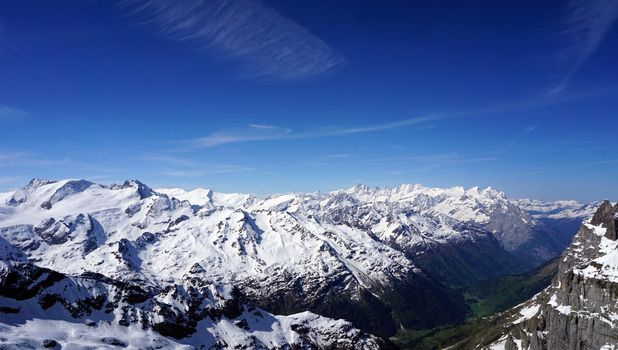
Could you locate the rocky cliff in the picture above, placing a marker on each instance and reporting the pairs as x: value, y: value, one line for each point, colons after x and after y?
x: 579, y: 311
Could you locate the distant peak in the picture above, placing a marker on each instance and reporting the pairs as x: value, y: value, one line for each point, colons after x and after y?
x: 360, y: 188
x: 409, y: 187
x: 35, y: 183
x: 143, y: 190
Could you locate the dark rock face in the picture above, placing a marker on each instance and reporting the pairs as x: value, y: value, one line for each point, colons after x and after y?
x: 17, y: 199
x: 606, y: 217
x: 579, y: 311
x: 142, y: 190
x: 114, y: 342
x: 129, y: 304
x: 34, y: 183
x: 50, y: 344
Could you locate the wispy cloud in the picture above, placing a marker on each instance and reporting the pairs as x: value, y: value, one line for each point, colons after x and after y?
x: 272, y: 45
x: 212, y: 169
x: 435, y: 161
x: 584, y: 27
x: 25, y: 159
x: 531, y: 128
x: 335, y: 156
x: 509, y: 144
x: 422, y: 162
x: 183, y: 167
x: 168, y: 159
x: 11, y: 113
x: 565, y: 169
x: 247, y: 134
x: 7, y: 179
x: 603, y: 162
x: 260, y: 132
x: 255, y: 132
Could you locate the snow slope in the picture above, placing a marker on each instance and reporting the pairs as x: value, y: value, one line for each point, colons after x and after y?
x: 42, y: 308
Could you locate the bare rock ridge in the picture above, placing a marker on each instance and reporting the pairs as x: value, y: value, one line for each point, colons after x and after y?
x: 579, y: 311
x: 605, y: 217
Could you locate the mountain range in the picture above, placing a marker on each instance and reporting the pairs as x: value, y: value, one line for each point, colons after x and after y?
x: 200, y: 268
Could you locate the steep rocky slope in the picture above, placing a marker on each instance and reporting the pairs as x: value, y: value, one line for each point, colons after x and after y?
x: 43, y: 308
x: 580, y: 309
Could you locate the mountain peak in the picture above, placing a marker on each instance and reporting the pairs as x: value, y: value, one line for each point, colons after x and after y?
x: 36, y: 182
x: 143, y: 190
x: 359, y: 188
x: 605, y: 217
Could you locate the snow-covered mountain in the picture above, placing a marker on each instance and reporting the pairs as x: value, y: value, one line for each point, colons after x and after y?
x: 41, y: 308
x: 580, y: 308
x: 561, y: 218
x: 78, y: 267
x: 485, y: 209
x: 376, y: 257
x: 475, y: 209
x: 563, y: 209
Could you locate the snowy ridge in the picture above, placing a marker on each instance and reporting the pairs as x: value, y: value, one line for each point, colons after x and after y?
x: 41, y: 308
x: 482, y: 207
x: 116, y: 232
x: 286, y: 253
x: 557, y: 209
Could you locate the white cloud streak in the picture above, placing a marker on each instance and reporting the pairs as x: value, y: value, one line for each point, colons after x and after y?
x: 7, y: 179
x: 425, y: 162
x: 208, y: 170
x: 166, y: 158
x: 261, y: 132
x: 584, y: 28
x: 26, y: 159
x: 272, y: 46
x: 254, y: 132
x: 187, y: 168
x: 11, y: 113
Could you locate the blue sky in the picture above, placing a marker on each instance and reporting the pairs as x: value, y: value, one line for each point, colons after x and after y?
x: 279, y: 96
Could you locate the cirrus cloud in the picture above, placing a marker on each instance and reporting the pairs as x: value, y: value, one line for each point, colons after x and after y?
x: 271, y: 45
x: 583, y: 30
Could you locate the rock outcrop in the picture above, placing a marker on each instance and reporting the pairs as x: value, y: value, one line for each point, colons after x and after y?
x: 579, y: 311
x: 41, y: 308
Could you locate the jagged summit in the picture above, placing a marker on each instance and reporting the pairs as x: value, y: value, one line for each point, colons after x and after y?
x: 605, y: 217
x: 402, y: 189
x: 143, y: 190
x: 34, y: 183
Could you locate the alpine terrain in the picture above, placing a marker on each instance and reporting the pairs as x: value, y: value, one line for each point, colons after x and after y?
x: 132, y: 266
x: 579, y: 310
